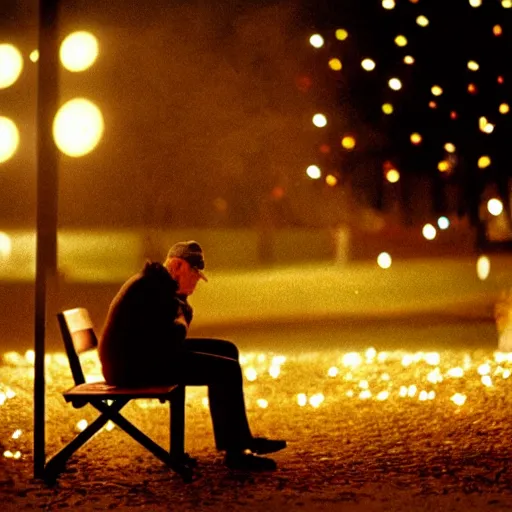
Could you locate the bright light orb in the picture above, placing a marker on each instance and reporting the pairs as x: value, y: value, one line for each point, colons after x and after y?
x: 395, y: 84
x: 331, y: 180
x: 316, y: 40
x: 341, y: 34
x: 5, y: 245
x: 506, y: 4
x: 483, y: 268
x: 497, y: 30
x: 78, y: 127
x: 368, y: 64
x: 79, y: 51
x: 314, y: 172
x: 504, y: 108
x: 494, y: 206
x: 416, y: 138
x: 475, y: 3
x: 429, y: 231
x: 449, y: 147
x: 401, y: 41
x: 388, y: 4
x: 393, y: 176
x: 473, y: 65
x: 387, y: 108
x: 9, y: 139
x: 409, y: 59
x: 422, y: 21
x: 319, y: 120
x: 384, y: 260
x: 436, y: 90
x: 335, y: 64
x: 34, y: 56
x: 348, y: 142
x: 483, y: 162
x: 443, y: 223
x: 444, y: 166
x: 11, y: 65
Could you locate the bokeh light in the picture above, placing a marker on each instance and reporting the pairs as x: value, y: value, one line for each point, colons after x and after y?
x: 348, y: 142
x: 335, y: 64
x: 401, y: 41
x: 429, y: 231
x: 395, y: 84
x: 483, y: 267
x: 11, y: 65
x: 314, y: 172
x: 79, y: 51
x: 78, y: 127
x: 497, y: 30
x: 341, y: 34
x: 484, y: 162
x: 504, y: 108
x: 409, y: 59
x: 494, y: 206
x: 34, y: 56
x: 368, y: 64
x: 392, y: 175
x: 422, y: 21
x: 331, y: 180
x: 388, y: 4
x: 443, y: 222
x: 384, y: 260
x: 475, y: 3
x: 387, y: 108
x: 444, y: 166
x: 319, y: 120
x: 416, y: 138
x: 9, y: 139
x: 473, y: 65
x: 316, y: 40
x: 449, y: 147
x: 436, y: 90
x: 5, y: 245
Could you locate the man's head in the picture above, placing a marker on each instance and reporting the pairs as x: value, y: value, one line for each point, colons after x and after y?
x: 185, y: 262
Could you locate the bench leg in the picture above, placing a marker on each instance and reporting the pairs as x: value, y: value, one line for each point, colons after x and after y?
x: 177, y: 423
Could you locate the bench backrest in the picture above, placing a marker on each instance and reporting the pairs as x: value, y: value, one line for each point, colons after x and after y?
x: 78, y: 335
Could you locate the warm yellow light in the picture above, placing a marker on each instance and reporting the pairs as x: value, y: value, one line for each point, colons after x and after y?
x: 9, y: 139
x: 436, y: 90
x: 388, y: 4
x: 449, y: 147
x: 368, y: 64
x: 314, y: 172
x: 484, y: 125
x: 5, y: 245
x: 395, y: 84
x: 432, y: 104
x: 78, y: 127
x: 444, y: 166
x: 497, y: 30
x: 504, y: 108
x: 348, y: 142
x: 11, y: 65
x: 401, y: 40
x: 409, y: 59
x: 443, y: 223
x: 429, y: 231
x: 341, y: 34
x: 331, y: 180
x: 316, y: 40
x: 302, y: 399
x: 473, y: 65
x: 392, y: 175
x: 316, y: 399
x: 319, y: 120
x: 483, y: 267
x: 495, y: 206
x: 351, y: 359
x: 483, y: 162
x: 507, y: 4
x: 416, y: 138
x: 475, y: 3
x: 261, y: 402
x: 34, y: 55
x: 387, y: 108
x: 79, y: 51
x: 333, y: 371
x: 384, y: 260
x: 422, y: 21
x: 81, y: 425
x: 251, y: 374
x: 335, y: 64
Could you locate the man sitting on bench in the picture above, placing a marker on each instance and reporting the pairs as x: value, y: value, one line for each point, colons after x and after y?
x: 144, y: 343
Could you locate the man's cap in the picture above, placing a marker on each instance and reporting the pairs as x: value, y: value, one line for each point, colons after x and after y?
x: 191, y: 252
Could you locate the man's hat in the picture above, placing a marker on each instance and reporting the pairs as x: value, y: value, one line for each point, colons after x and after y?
x: 191, y: 252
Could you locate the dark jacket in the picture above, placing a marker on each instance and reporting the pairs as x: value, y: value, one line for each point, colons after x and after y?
x: 142, y: 332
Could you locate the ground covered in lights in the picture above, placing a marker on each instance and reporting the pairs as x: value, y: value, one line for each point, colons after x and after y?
x: 366, y: 431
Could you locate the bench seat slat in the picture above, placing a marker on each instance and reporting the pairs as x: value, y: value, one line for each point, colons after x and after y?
x: 103, y: 390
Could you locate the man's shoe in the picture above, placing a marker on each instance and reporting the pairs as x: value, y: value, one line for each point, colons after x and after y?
x: 262, y: 445
x: 249, y: 462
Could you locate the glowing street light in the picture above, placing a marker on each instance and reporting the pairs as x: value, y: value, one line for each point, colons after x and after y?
x: 78, y: 127
x: 494, y: 207
x: 316, y: 40
x: 9, y: 138
x: 79, y: 51
x: 319, y: 120
x: 11, y: 64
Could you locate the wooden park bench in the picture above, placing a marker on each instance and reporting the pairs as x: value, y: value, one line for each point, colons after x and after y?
x: 79, y: 337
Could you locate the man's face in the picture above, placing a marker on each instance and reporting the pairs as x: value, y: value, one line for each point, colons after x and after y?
x: 187, y: 278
